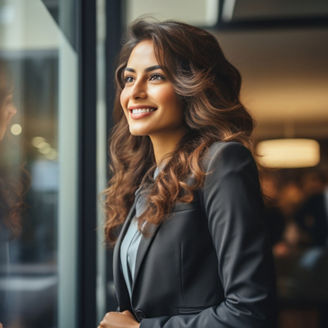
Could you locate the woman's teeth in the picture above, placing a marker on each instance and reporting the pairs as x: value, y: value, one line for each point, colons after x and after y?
x: 142, y: 110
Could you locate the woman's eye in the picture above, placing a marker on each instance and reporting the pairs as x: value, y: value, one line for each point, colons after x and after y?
x: 128, y: 79
x: 157, y: 77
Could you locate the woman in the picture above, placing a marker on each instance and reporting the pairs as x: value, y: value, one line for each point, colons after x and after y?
x: 9, y: 218
x: 184, y: 192
x: 9, y: 200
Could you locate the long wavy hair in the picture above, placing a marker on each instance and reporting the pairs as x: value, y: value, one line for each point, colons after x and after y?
x: 209, y: 87
x: 12, y: 187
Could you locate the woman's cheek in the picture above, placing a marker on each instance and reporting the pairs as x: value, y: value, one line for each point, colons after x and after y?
x: 123, y: 98
x: 124, y: 103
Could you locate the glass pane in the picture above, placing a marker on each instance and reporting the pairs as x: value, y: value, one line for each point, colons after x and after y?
x: 101, y: 157
x: 38, y: 132
x: 194, y: 12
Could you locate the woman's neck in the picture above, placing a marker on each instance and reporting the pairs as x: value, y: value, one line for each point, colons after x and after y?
x: 163, y: 145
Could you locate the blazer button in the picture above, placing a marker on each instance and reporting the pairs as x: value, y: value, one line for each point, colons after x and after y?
x: 139, y: 314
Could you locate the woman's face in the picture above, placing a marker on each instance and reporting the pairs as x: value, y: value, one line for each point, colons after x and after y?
x: 7, y: 111
x: 148, y: 99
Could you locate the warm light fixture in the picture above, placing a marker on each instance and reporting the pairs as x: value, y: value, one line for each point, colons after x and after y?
x: 288, y: 153
x: 16, y: 129
x: 45, y: 148
x: 37, y: 141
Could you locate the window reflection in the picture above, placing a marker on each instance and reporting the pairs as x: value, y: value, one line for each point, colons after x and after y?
x: 29, y: 179
x: 37, y: 114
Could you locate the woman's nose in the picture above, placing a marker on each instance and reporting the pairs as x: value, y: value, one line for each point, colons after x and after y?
x: 139, y: 90
x: 12, y: 110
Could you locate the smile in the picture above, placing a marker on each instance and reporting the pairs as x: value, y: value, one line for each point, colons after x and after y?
x: 140, y: 112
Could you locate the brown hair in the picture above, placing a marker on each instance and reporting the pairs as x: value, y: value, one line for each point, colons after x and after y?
x: 11, y: 189
x: 5, y: 85
x: 209, y: 88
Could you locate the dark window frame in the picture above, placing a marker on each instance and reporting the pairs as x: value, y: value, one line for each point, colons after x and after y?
x: 114, y: 31
x: 87, y: 191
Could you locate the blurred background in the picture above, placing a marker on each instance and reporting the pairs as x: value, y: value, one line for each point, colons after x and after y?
x: 57, y: 59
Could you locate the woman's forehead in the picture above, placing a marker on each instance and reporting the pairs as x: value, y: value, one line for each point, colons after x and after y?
x: 143, y: 54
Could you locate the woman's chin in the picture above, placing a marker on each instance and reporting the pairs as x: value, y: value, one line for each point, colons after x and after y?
x: 138, y: 132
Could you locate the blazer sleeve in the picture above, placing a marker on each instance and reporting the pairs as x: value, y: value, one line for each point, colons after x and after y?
x: 232, y: 203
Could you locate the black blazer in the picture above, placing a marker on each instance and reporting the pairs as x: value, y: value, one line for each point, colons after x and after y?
x: 209, y: 264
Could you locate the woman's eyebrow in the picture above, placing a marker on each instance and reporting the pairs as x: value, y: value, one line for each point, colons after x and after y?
x: 148, y: 69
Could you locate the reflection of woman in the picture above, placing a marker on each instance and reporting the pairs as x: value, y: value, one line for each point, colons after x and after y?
x: 9, y: 206
x: 192, y: 251
x: 8, y: 210
x: 7, y: 109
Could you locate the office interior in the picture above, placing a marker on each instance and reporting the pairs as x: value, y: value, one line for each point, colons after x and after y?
x: 59, y: 58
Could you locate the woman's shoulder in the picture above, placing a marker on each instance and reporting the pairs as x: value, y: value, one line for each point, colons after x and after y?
x: 231, y: 146
x: 228, y: 154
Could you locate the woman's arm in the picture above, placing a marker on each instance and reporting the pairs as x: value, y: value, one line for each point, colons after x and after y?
x: 233, y: 206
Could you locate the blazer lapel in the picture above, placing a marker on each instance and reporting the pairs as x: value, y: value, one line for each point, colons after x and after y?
x: 142, y: 250
x: 119, y: 282
x: 145, y: 242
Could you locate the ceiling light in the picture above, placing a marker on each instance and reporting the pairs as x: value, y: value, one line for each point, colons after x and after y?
x: 288, y: 153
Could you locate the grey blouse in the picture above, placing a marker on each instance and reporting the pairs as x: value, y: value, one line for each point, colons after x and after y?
x: 132, y: 238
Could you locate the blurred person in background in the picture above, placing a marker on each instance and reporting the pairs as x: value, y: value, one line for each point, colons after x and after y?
x: 309, y: 277
x: 192, y: 250
x: 312, y: 216
x: 282, y: 198
x: 313, y: 182
x: 274, y: 215
x: 289, y: 200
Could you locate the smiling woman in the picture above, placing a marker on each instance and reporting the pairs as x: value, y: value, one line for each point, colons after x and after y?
x: 150, y: 104
x: 184, y: 206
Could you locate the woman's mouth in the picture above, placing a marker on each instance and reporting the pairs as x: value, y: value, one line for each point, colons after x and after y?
x: 140, y: 112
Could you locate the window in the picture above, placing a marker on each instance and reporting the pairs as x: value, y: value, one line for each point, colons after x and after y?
x: 38, y: 165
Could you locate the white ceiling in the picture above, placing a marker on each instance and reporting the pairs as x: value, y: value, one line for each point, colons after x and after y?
x: 285, y: 77
x: 195, y: 12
